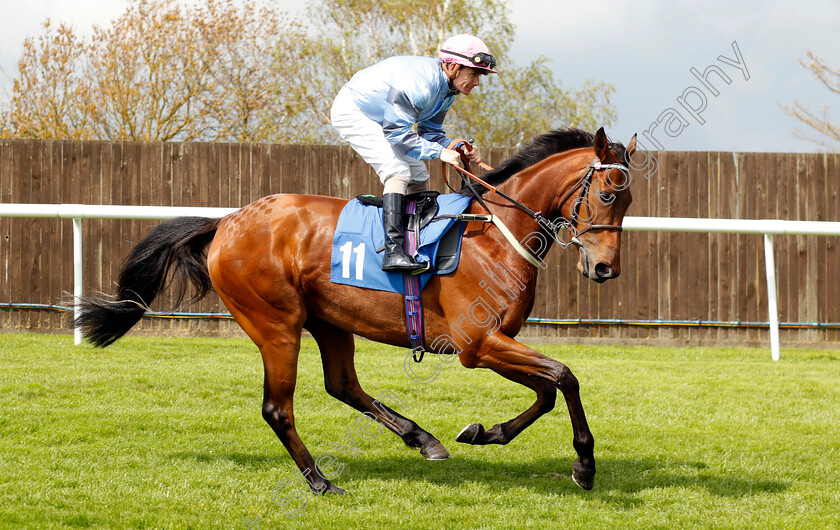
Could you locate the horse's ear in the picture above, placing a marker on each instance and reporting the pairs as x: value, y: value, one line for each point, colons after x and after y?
x: 631, y: 147
x: 600, y: 145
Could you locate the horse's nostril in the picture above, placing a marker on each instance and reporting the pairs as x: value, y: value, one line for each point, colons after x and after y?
x: 602, y: 270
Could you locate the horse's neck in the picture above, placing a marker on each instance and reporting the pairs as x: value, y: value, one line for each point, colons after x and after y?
x: 537, y: 187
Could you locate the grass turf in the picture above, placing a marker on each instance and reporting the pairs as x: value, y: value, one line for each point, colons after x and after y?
x: 167, y: 433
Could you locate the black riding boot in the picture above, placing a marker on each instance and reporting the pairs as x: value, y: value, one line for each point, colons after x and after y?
x: 395, y: 259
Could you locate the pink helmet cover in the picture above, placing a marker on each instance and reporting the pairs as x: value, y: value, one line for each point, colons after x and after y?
x: 467, y: 50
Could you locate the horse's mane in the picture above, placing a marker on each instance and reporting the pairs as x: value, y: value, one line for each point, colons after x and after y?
x: 540, y: 148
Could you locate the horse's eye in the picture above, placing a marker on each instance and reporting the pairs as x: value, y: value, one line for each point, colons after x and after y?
x: 606, y: 198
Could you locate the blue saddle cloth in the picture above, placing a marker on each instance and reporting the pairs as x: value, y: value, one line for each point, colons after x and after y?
x: 359, y: 233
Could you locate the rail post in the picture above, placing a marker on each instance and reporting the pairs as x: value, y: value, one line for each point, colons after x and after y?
x: 772, y: 306
x: 77, y: 277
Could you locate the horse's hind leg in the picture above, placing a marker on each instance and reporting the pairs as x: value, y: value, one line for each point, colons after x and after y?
x: 340, y: 379
x: 526, y: 366
x: 276, y: 331
x: 280, y: 358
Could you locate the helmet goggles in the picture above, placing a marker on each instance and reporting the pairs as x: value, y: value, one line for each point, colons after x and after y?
x: 481, y: 59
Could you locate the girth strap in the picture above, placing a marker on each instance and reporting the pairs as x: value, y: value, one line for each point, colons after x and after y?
x: 413, y: 304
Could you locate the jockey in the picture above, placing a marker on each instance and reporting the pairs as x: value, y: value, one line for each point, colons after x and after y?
x: 392, y: 114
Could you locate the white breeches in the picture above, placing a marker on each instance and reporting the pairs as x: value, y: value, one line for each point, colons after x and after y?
x: 365, y: 136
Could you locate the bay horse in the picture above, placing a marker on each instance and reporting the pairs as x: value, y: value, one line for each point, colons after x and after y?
x: 269, y: 262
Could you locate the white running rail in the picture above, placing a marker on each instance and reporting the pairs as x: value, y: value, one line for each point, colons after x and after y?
x: 767, y: 227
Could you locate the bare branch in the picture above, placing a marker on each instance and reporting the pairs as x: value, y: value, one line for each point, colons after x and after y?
x: 820, y: 123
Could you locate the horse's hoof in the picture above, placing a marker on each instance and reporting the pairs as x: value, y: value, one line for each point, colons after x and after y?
x: 583, y: 478
x: 470, y: 434
x: 335, y: 490
x: 435, y: 451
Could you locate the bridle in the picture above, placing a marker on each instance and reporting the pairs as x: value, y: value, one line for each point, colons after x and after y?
x: 554, y: 227
x: 584, y: 184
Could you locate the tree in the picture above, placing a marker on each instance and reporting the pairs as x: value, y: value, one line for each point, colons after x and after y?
x: 527, y: 101
x: 506, y: 110
x: 353, y: 34
x: 46, y: 92
x: 252, y: 97
x: 821, y: 123
x: 242, y: 71
x: 146, y: 74
x: 162, y: 72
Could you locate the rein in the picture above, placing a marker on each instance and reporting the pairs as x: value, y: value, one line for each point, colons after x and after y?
x: 583, y: 183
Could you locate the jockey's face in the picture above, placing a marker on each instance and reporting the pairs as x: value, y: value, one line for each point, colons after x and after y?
x: 466, y: 79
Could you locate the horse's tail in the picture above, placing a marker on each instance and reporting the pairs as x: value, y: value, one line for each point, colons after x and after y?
x: 177, y: 245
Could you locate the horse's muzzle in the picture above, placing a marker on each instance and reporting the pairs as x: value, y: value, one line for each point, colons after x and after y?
x: 601, y: 272
x: 604, y: 272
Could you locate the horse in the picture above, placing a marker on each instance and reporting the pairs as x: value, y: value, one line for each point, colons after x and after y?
x: 269, y: 262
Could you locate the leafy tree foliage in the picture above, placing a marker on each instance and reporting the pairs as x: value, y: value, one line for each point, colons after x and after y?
x: 523, y: 102
x: 162, y: 72
x: 242, y: 71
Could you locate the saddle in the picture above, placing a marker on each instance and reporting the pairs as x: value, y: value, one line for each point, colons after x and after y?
x: 433, y: 233
x: 425, y: 212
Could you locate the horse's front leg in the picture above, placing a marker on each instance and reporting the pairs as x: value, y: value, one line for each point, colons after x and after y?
x: 543, y: 375
x: 502, y: 433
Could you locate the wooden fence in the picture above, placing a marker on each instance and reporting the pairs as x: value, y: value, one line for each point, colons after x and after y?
x: 668, y: 276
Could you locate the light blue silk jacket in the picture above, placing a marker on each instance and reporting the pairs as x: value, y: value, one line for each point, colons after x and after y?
x: 400, y: 92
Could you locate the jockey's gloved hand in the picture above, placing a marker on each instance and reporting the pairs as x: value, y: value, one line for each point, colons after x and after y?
x: 451, y: 156
x: 473, y: 155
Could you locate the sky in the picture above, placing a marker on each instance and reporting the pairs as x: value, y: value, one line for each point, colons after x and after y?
x: 646, y: 49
